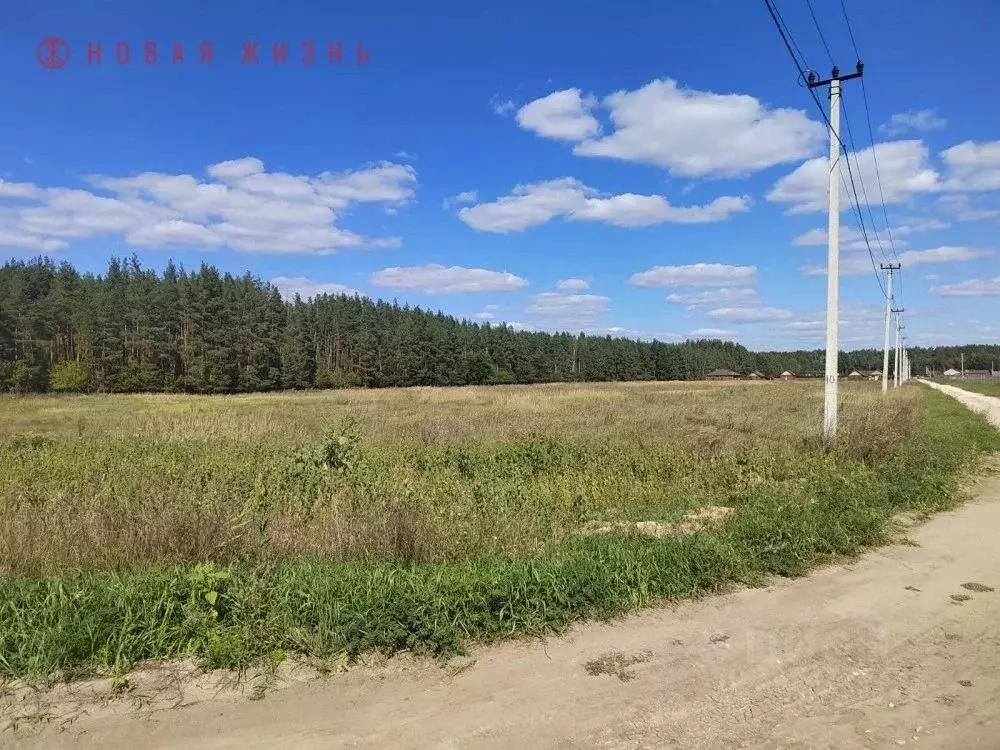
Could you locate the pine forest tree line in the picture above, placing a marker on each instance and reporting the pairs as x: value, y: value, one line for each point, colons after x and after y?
x: 134, y: 330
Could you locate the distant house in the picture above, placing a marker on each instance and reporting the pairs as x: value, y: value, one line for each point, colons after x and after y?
x: 786, y: 375
x: 951, y: 373
x: 756, y: 376
x: 723, y: 375
x: 875, y: 375
x: 855, y: 375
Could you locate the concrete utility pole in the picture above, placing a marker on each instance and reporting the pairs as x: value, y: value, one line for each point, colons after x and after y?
x: 833, y: 246
x: 899, y: 338
x: 888, y: 317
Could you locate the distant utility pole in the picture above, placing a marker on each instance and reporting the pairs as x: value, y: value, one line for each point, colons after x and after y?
x: 963, y: 364
x: 888, y: 317
x: 899, y: 327
x: 833, y: 246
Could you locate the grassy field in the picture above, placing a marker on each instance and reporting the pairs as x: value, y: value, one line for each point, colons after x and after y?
x: 323, y: 523
x: 986, y: 388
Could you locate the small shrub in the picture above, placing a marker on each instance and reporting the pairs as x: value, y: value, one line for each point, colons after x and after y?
x: 501, y: 377
x: 338, y: 452
x: 68, y: 377
x: 29, y: 378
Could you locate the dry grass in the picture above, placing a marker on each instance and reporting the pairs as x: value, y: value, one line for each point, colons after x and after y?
x: 125, y: 482
x: 240, y: 528
x: 617, y: 664
x: 693, y: 413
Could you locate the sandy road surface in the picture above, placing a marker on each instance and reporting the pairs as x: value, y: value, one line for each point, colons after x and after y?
x: 875, y: 654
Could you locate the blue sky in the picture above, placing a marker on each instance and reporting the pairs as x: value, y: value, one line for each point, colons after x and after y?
x: 650, y: 170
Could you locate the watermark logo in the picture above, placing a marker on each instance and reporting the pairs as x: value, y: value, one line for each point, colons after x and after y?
x: 53, y: 53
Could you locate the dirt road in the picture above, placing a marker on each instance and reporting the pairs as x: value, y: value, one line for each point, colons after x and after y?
x: 889, y: 651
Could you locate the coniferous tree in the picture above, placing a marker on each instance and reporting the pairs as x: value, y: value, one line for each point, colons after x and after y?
x: 298, y: 356
x: 134, y: 330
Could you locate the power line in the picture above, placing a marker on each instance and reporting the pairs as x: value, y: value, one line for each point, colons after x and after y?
x: 818, y: 29
x: 856, y: 203
x: 847, y: 154
x: 871, y: 136
x: 779, y: 22
x: 900, y: 287
x: 850, y: 31
x: 857, y: 211
x: 786, y: 37
x: 864, y: 190
x: 878, y: 176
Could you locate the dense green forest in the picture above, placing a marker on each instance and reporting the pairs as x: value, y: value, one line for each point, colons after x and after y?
x: 133, y: 329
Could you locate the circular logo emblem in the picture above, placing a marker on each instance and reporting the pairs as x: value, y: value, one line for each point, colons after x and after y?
x: 52, y: 52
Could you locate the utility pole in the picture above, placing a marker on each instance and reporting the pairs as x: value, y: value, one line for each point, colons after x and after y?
x: 888, y: 316
x: 833, y: 246
x: 899, y: 326
x: 963, y: 365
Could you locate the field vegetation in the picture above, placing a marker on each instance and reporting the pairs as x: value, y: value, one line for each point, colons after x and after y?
x: 987, y: 388
x: 237, y: 528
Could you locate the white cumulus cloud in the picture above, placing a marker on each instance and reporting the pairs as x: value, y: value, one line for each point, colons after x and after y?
x: 569, y: 311
x: 941, y: 255
x: 240, y: 206
x: 904, y: 168
x: 19, y: 190
x: 695, y: 275
x: 691, y: 133
x: 469, y: 196
x: 970, y: 288
x: 973, y: 166
x: 711, y: 333
x: 564, y: 115
x: 859, y: 263
x: 439, y: 279
x: 536, y: 204
x: 28, y: 241
x: 722, y: 296
x: 573, y: 285
x: 923, y: 119
x: 961, y: 206
x: 306, y: 288
x: 906, y: 172
x: 852, y: 239
x: 749, y: 314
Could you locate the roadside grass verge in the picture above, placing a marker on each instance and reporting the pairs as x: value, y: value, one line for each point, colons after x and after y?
x: 991, y: 388
x: 796, y: 504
